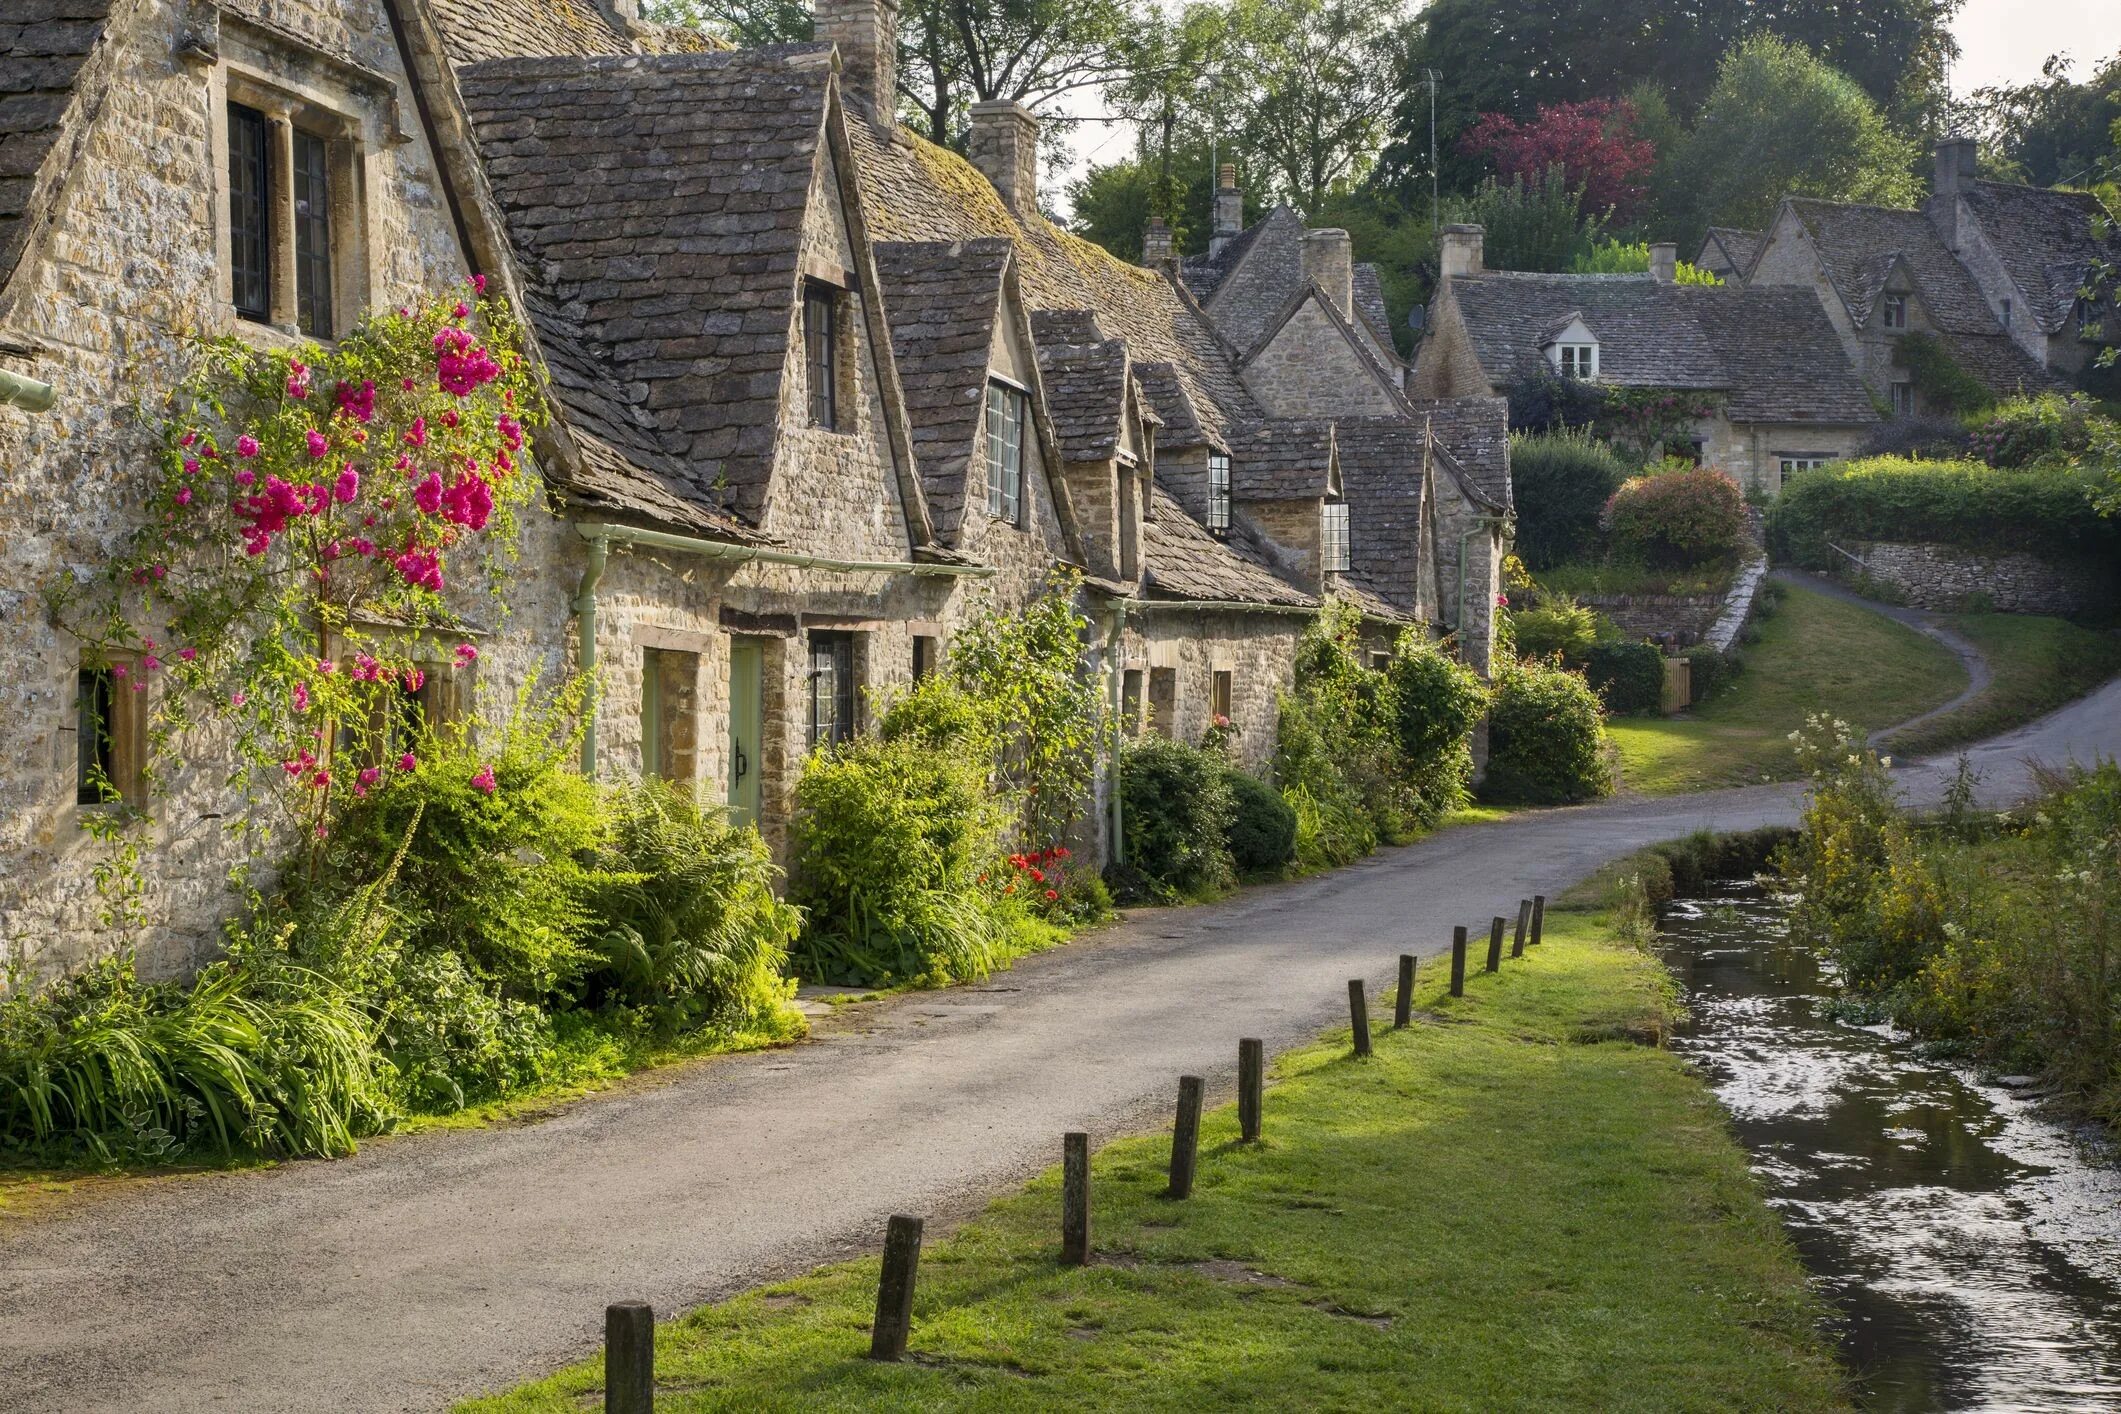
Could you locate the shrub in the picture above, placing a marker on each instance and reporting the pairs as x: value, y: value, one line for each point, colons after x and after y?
x: 2050, y: 428
x: 687, y: 923
x: 1678, y: 518
x: 1561, y: 482
x: 1436, y: 703
x: 1332, y: 827
x: 1710, y: 670
x: 891, y: 839
x: 1262, y: 828
x: 1555, y: 626
x: 1546, y: 738
x: 2045, y: 510
x: 1930, y: 438
x: 1177, y: 810
x: 1938, y: 377
x: 1628, y: 676
x: 1541, y: 400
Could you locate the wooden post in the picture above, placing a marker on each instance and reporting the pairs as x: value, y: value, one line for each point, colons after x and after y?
x: 1458, y: 962
x: 1185, y: 1137
x: 1251, y: 1086
x: 1524, y: 920
x: 1359, y: 1016
x: 1495, y: 944
x: 1539, y: 916
x: 629, y: 1358
x: 894, y: 1289
x: 1075, y: 1199
x: 1403, y: 1002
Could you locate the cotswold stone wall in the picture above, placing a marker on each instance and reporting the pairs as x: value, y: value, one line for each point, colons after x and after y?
x: 1685, y: 616
x: 1946, y: 577
x: 1310, y: 371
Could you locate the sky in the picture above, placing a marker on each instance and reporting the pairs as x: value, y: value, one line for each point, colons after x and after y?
x: 2006, y: 41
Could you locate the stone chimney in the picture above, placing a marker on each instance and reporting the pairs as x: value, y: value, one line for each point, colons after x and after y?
x: 1156, y: 244
x: 866, y: 32
x: 1664, y: 262
x: 1329, y: 263
x: 1955, y: 166
x: 1004, y: 146
x: 1458, y: 252
x: 1229, y: 208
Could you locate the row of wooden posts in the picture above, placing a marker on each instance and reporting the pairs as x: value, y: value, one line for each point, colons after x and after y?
x: 629, y: 1326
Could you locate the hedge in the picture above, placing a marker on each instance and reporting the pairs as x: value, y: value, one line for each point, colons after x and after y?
x: 1546, y: 738
x: 1628, y: 676
x: 2044, y: 510
x: 1560, y: 482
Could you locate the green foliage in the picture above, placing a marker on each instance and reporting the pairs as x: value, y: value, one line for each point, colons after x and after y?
x: 687, y: 923
x: 1710, y: 670
x: 1649, y: 422
x: 504, y: 834
x: 1530, y: 225
x: 1544, y: 401
x: 1553, y: 626
x: 2048, y: 429
x: 1262, y: 833
x: 1332, y: 827
x: 2045, y: 510
x: 1678, y: 518
x: 1177, y: 808
x: 1546, y: 738
x: 1436, y: 702
x: 1613, y: 257
x: 1628, y: 677
x: 1561, y: 482
x: 1943, y: 384
x: 892, y: 838
x: 1349, y: 712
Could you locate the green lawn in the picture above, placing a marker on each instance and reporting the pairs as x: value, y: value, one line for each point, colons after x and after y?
x: 2038, y: 665
x: 1499, y: 1210
x: 1816, y: 654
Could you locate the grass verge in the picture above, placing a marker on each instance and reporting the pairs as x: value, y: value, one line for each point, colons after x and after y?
x: 1504, y: 1207
x: 1816, y: 654
x: 2039, y: 664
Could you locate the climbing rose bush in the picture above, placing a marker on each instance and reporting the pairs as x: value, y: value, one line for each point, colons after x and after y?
x: 318, y: 520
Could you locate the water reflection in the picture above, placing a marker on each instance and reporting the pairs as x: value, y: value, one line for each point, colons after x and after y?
x: 1971, y: 1246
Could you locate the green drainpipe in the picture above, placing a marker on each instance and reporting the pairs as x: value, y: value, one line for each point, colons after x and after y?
x: 1484, y: 523
x: 25, y: 393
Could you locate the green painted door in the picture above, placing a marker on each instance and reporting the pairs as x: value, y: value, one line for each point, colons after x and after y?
x: 747, y: 711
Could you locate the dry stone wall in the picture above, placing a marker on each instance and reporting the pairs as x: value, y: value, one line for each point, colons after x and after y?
x: 1948, y: 578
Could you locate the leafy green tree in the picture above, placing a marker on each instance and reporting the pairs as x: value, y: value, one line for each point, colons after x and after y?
x: 1537, y: 225
x: 2052, y: 130
x: 1782, y: 122
x: 1318, y: 78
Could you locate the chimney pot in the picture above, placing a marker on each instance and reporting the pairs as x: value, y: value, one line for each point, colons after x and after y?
x: 1226, y: 177
x: 1955, y: 166
x: 1156, y: 243
x: 1329, y: 263
x: 866, y: 32
x: 1664, y: 262
x: 1459, y: 250
x: 1004, y: 146
x: 1229, y: 209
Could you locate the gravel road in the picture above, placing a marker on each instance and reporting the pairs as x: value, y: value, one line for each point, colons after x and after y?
x: 435, y: 1266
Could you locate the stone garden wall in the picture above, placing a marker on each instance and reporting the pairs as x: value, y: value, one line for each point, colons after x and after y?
x: 1948, y: 578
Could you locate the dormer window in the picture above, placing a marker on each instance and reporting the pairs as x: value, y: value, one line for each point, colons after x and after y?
x: 1578, y: 361
x: 1005, y: 452
x: 1333, y: 553
x: 2006, y: 311
x: 1892, y: 314
x: 1219, y: 492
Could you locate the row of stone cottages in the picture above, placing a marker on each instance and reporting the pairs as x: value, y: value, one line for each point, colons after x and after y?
x: 820, y: 386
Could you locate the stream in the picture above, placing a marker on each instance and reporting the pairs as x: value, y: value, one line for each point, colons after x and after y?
x: 1968, y: 1243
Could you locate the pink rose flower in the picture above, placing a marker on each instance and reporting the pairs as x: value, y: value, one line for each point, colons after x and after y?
x: 408, y: 762
x: 466, y: 654
x: 318, y: 443
x: 484, y: 780
x: 246, y: 446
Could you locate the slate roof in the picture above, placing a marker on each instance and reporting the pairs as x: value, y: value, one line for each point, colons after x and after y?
x: 941, y: 300
x: 1739, y: 247
x: 1282, y: 459
x: 1203, y: 272
x: 1380, y: 479
x: 1772, y: 350
x: 1370, y: 306
x: 2047, y: 240
x: 1164, y: 392
x: 1183, y: 561
x: 479, y: 30
x: 1474, y: 436
x: 661, y: 285
x: 1085, y: 378
x: 43, y: 44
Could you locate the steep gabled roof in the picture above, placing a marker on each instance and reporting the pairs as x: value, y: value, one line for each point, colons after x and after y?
x: 943, y: 299
x: 43, y: 46
x: 1310, y: 294
x: 1370, y: 307
x: 479, y: 30
x: 1859, y: 246
x: 1182, y: 561
x: 1738, y: 247
x: 2048, y: 241
x: 1164, y: 392
x: 1283, y: 459
x: 1086, y: 378
x: 1381, y: 480
x: 661, y: 285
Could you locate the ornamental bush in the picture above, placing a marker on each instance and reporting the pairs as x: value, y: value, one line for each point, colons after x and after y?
x: 2051, y: 428
x: 1561, y: 482
x: 1628, y: 677
x: 1710, y: 670
x: 1552, y: 626
x: 1546, y: 738
x: 1436, y: 702
x: 1677, y: 518
x: 2046, y: 510
x: 1262, y: 826
x: 1177, y: 810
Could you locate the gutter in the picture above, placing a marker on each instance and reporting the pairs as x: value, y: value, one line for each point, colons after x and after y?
x: 25, y: 393
x: 602, y: 535
x: 1224, y: 606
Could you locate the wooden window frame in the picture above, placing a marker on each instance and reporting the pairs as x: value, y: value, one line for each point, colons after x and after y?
x: 114, y: 742
x: 250, y: 205
x: 1577, y: 361
x: 1007, y: 413
x: 1222, y: 694
x: 1219, y: 477
x: 1892, y: 313
x: 311, y: 190
x: 821, y: 354
x: 1335, y: 548
x: 831, y: 721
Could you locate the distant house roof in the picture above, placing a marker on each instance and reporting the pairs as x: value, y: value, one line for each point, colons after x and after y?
x: 1381, y: 461
x: 2048, y: 241
x: 1183, y: 561
x: 1283, y: 459
x: 1370, y: 304
x: 1727, y: 248
x: 42, y: 50
x: 943, y: 301
x: 511, y: 29
x: 1771, y: 350
x: 660, y: 286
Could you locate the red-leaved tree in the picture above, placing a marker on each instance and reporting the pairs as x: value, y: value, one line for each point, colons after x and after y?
x: 1593, y: 142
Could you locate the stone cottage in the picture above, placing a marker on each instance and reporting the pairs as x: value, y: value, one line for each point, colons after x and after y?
x: 1776, y: 389
x: 821, y: 390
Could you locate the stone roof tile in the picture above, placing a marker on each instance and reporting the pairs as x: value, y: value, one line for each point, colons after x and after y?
x: 1085, y: 379
x: 2048, y: 241
x: 43, y: 45
x: 1282, y: 459
x: 1183, y: 561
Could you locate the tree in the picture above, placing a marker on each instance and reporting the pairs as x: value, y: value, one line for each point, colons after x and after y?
x: 1530, y: 225
x: 1781, y: 122
x: 1319, y: 76
x: 2052, y: 130
x: 1592, y: 143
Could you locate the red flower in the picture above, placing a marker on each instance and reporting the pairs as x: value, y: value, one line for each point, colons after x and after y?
x: 1051, y: 896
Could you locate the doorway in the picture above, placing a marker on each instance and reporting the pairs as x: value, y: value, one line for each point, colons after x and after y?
x: 747, y: 716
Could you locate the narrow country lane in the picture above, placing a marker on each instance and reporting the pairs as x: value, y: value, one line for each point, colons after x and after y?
x: 436, y: 1266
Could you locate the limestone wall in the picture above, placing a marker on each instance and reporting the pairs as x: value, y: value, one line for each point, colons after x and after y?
x: 1948, y: 578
